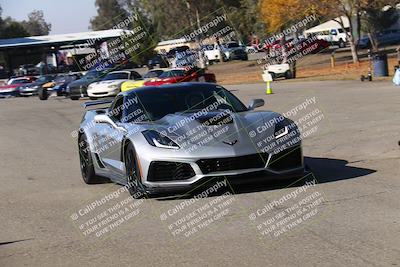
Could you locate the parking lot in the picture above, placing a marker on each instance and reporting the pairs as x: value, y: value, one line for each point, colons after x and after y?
x: 354, y: 157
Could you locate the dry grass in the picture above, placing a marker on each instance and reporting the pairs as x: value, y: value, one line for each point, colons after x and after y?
x: 314, y: 67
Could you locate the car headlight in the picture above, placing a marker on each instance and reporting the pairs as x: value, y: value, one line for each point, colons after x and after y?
x: 159, y: 140
x: 282, y: 128
x: 35, y: 87
x: 112, y: 86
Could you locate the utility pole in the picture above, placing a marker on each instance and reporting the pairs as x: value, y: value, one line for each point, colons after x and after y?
x: 192, y: 28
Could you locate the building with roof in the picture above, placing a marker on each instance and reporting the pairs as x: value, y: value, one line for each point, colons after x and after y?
x: 49, y: 48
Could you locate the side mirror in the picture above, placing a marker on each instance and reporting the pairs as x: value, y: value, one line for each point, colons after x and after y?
x: 101, y: 118
x: 256, y: 103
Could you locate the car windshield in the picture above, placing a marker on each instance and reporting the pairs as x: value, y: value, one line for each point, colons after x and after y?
x: 44, y: 79
x: 18, y: 81
x: 158, y: 102
x: 116, y: 76
x: 60, y: 78
x: 153, y: 74
x: 172, y: 73
x: 232, y: 45
x: 91, y: 75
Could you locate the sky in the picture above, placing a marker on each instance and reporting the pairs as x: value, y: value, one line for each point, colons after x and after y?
x: 65, y: 16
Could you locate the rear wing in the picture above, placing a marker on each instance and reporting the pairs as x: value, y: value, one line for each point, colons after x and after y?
x: 97, y: 102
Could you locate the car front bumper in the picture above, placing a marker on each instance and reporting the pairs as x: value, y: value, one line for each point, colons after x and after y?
x: 103, y: 92
x: 285, y: 165
x: 28, y: 91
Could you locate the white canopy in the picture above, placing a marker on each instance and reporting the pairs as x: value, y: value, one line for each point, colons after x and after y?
x: 329, y: 25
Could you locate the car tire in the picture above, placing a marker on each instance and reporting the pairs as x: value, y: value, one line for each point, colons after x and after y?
x: 288, y: 75
x: 43, y: 94
x: 74, y: 97
x: 133, y: 176
x: 342, y: 44
x: 86, y: 162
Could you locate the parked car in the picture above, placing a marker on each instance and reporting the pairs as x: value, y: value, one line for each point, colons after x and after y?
x: 386, y: 37
x: 27, y: 69
x: 110, y: 85
x: 33, y: 88
x: 13, y: 83
x: 59, y: 85
x: 213, y: 53
x: 179, y: 75
x: 233, y: 51
x: 158, y: 61
x: 188, y: 58
x: 150, y: 75
x: 21, y: 80
x: 172, y: 52
x: 78, y: 88
x: 149, y: 155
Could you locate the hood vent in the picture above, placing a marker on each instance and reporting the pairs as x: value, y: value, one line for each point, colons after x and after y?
x: 215, y: 119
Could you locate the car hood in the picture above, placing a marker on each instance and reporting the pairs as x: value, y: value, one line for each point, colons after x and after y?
x: 109, y: 82
x: 231, y: 134
x: 81, y: 82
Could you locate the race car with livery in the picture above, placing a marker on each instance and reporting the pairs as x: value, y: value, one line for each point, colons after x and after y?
x: 179, y: 75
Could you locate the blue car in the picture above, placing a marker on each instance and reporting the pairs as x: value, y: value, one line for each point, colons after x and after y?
x: 386, y: 37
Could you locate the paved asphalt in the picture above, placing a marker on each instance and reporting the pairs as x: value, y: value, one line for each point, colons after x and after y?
x: 350, y: 218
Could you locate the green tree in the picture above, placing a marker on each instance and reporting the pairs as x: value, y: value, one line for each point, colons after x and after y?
x: 12, y: 29
x: 36, y: 24
x: 377, y: 16
x: 109, y: 14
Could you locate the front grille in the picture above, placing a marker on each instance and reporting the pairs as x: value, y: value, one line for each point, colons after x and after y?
x: 288, y: 159
x: 169, y: 171
x: 235, y: 163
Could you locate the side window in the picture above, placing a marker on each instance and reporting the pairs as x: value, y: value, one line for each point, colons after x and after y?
x: 135, y: 75
x: 116, y: 112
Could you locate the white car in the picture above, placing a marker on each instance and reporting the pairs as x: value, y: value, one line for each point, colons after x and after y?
x: 213, y: 53
x: 110, y: 85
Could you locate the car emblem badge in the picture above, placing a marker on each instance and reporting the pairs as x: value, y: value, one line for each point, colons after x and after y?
x: 230, y: 143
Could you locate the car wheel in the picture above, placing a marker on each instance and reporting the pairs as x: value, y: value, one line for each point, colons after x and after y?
x: 288, y: 75
x: 74, y: 97
x: 135, y: 187
x: 42, y: 93
x: 341, y: 43
x: 86, y: 161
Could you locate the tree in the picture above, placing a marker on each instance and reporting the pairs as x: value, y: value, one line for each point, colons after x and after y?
x: 246, y: 19
x: 109, y: 14
x: 36, y: 24
x: 12, y: 29
x: 377, y: 16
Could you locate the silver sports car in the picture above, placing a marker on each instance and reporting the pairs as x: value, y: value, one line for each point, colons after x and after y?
x: 175, y: 137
